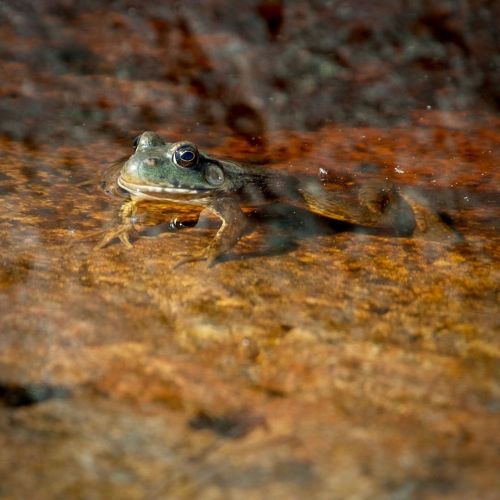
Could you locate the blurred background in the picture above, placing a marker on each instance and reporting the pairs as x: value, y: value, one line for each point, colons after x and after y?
x: 72, y: 71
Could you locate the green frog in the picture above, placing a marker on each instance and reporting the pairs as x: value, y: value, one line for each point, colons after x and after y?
x: 179, y: 172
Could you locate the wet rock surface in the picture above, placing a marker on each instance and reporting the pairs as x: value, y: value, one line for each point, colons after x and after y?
x: 315, y: 359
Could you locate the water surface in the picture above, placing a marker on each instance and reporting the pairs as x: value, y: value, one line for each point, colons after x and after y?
x: 315, y: 359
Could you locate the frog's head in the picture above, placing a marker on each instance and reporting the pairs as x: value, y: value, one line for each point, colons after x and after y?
x: 162, y: 170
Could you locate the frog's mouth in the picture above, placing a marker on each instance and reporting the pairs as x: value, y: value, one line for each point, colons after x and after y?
x: 146, y: 191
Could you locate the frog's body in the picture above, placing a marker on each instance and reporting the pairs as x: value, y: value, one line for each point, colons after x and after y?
x: 178, y: 172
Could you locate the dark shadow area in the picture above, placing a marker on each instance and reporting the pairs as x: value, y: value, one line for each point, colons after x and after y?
x: 15, y: 395
x: 230, y: 426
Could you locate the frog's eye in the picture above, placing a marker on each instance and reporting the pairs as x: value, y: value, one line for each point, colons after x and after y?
x: 186, y: 156
x: 135, y: 142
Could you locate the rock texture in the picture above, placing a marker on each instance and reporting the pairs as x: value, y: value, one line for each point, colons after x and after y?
x: 314, y: 361
x: 252, y: 66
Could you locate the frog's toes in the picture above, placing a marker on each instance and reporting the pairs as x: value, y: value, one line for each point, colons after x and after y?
x: 186, y: 260
x: 122, y: 233
x: 125, y: 239
x: 203, y: 255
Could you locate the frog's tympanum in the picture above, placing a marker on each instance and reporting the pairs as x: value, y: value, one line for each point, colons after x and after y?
x: 179, y: 172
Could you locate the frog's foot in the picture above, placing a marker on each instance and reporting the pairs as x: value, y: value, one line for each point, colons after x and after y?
x: 207, y: 254
x: 122, y: 232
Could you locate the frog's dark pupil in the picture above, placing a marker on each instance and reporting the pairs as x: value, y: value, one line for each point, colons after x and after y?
x: 187, y: 155
x: 136, y: 142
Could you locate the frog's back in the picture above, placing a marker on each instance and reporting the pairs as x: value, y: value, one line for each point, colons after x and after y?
x: 372, y: 204
x: 367, y: 202
x: 254, y: 184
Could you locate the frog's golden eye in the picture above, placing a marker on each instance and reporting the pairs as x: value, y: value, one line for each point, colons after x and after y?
x: 186, y: 156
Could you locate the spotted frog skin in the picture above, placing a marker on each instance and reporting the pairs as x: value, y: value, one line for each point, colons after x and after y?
x: 178, y: 172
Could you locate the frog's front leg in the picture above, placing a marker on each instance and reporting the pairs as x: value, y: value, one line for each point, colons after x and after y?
x: 234, y: 223
x: 122, y: 232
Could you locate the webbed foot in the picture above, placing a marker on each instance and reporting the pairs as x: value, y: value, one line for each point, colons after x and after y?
x: 122, y: 232
x: 207, y: 254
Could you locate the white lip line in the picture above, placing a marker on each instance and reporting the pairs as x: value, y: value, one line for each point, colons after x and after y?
x: 156, y: 189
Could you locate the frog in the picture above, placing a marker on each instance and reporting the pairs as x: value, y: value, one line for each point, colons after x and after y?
x: 179, y: 172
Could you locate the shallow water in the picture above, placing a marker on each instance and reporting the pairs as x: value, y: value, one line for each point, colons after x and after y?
x: 308, y: 340
x: 315, y: 359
